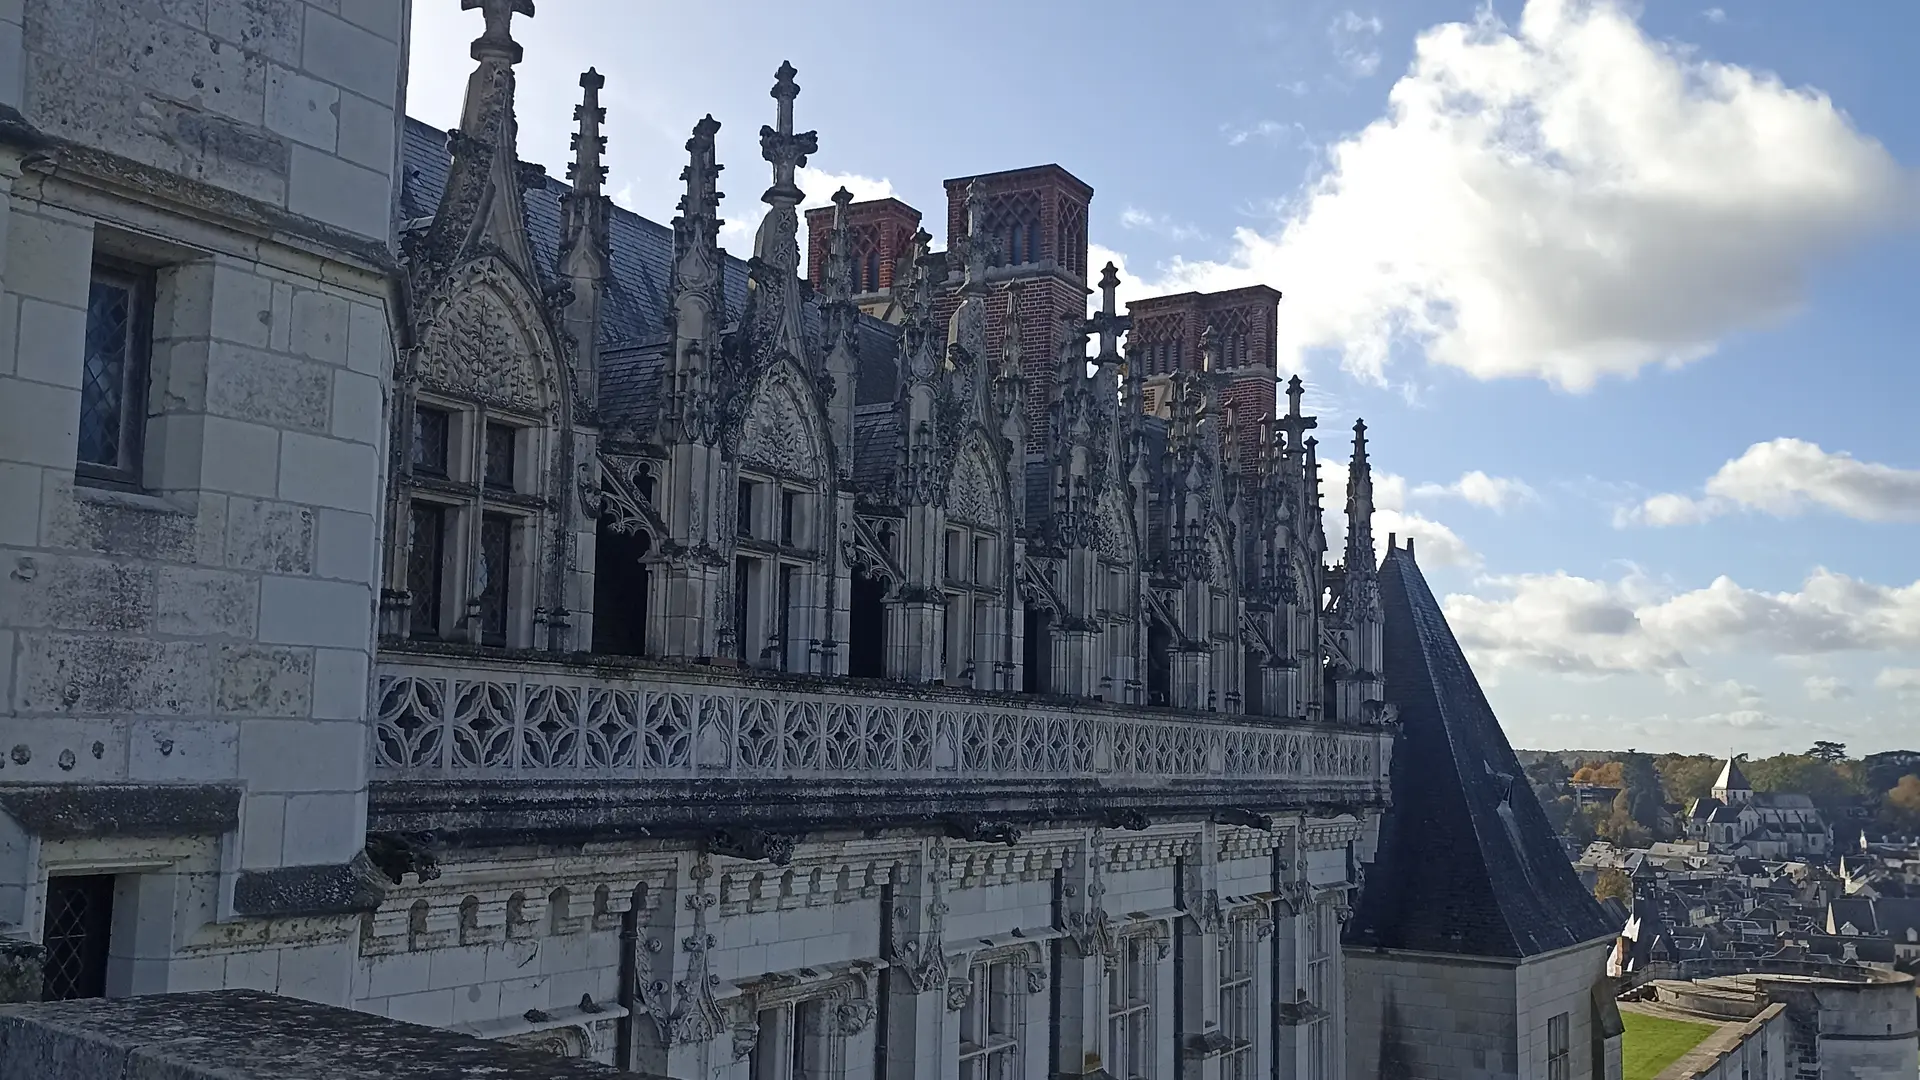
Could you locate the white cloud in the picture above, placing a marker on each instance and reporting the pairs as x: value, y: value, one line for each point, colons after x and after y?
x: 1495, y: 493
x: 1434, y: 543
x: 1825, y: 688
x: 1568, y: 200
x: 1785, y: 477
x: 1902, y: 682
x: 736, y: 232
x: 1714, y: 15
x: 1561, y: 622
x: 1133, y: 217
x: 1354, y: 37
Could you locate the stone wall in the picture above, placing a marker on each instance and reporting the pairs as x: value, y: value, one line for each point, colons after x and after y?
x: 866, y: 945
x: 185, y: 647
x: 1462, y: 1018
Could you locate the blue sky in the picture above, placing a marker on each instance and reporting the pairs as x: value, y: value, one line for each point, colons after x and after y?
x: 1624, y: 292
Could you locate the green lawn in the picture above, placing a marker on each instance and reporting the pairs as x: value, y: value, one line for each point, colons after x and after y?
x: 1651, y: 1043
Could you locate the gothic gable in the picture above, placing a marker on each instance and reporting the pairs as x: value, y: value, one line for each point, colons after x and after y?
x: 483, y: 337
x: 974, y: 489
x: 780, y: 431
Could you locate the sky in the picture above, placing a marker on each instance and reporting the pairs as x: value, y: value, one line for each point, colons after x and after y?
x: 1625, y: 293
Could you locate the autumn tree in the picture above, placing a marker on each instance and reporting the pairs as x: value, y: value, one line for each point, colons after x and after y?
x: 1686, y: 777
x: 1901, y: 807
x: 1615, y: 884
x: 1605, y: 774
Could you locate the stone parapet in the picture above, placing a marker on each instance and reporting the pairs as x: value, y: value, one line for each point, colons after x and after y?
x: 448, y: 716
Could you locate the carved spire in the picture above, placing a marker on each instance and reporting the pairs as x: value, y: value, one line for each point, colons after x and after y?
x: 839, y: 275
x: 496, y: 42
x: 690, y: 402
x: 1109, y: 323
x: 585, y: 171
x: 977, y: 241
x: 773, y: 301
x: 584, y: 242
x: 481, y: 205
x: 1359, y: 555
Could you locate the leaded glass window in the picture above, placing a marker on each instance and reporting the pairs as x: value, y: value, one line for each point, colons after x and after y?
x: 426, y: 561
x: 431, y: 430
x: 499, y: 456
x: 496, y: 547
x: 113, y: 376
x: 79, y: 923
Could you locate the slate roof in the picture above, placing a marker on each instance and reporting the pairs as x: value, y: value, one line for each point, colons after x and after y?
x: 633, y: 313
x: 1731, y: 778
x: 1467, y: 863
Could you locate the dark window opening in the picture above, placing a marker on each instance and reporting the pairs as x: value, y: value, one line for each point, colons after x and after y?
x: 742, y: 578
x: 113, y: 376
x: 426, y: 561
x: 620, y: 589
x: 79, y: 925
x: 873, y: 271
x: 1159, y: 663
x: 498, y: 472
x: 1036, y: 669
x: 786, y: 618
x: 1254, y: 696
x: 743, y: 513
x: 867, y: 629
x: 789, y: 509
x: 496, y: 548
x: 431, y: 429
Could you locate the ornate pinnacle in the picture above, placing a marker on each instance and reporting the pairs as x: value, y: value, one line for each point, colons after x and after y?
x: 1011, y: 329
x: 1109, y: 323
x: 698, y: 224
x: 977, y: 241
x: 839, y: 276
x: 585, y: 170
x: 783, y: 149
x: 1209, y: 349
x: 496, y: 42
x: 1359, y: 503
x: 1294, y: 392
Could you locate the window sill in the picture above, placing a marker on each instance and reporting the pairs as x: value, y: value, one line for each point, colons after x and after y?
x: 98, y: 493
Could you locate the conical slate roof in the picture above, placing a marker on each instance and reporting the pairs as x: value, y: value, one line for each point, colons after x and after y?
x: 1467, y: 863
x: 1731, y: 778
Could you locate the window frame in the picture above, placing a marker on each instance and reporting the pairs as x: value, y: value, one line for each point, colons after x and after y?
x: 135, y: 376
x: 1237, y: 996
x: 990, y: 1021
x: 1132, y: 987
x: 1560, y: 1047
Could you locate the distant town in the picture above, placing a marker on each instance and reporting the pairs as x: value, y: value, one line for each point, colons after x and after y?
x: 1723, y: 865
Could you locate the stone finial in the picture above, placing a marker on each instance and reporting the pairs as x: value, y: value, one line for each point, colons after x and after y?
x: 977, y: 241
x: 496, y: 42
x: 780, y: 146
x: 839, y: 274
x: 1108, y: 322
x: 1209, y: 349
x: 701, y: 172
x: 585, y: 170
x: 1295, y: 390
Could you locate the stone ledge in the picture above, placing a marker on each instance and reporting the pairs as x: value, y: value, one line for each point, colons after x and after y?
x: 461, y: 813
x: 67, y: 811
x: 343, y: 889
x: 247, y: 1035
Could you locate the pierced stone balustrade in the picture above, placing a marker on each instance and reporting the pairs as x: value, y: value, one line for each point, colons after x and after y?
x: 513, y: 723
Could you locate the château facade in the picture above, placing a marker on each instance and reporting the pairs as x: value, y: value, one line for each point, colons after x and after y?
x: 486, y: 608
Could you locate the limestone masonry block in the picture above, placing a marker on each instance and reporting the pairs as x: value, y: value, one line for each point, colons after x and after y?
x: 261, y: 680
x: 292, y: 756
x: 340, y: 52
x: 299, y: 611
x: 337, y: 192
x: 182, y: 751
x: 207, y: 603
x: 84, y: 675
x: 328, y: 472
x: 270, y: 536
x: 52, y: 337
x: 319, y: 325
x: 367, y: 132
x: 237, y: 457
x: 268, y: 389
x: 302, y: 108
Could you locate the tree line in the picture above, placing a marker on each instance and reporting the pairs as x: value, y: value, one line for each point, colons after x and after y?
x: 1655, y: 790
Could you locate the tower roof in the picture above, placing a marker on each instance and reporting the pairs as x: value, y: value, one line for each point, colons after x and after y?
x: 1467, y: 863
x: 1731, y: 778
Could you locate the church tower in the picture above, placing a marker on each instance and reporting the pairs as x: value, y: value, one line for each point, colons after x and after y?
x: 1732, y: 787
